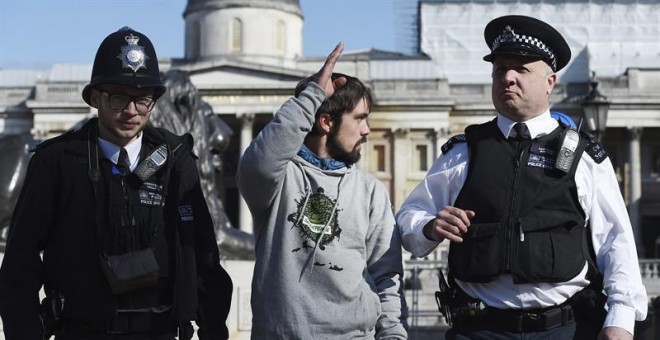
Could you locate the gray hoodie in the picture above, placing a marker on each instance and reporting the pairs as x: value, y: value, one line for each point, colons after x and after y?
x: 328, y: 256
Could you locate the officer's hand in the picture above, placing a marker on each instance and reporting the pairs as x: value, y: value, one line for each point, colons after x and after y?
x: 451, y: 223
x: 614, y: 333
x: 324, y: 76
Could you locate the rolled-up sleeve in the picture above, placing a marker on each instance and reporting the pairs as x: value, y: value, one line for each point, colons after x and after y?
x: 440, y: 188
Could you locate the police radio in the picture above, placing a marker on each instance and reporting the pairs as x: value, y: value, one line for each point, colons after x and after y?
x: 152, y: 163
x: 568, y: 143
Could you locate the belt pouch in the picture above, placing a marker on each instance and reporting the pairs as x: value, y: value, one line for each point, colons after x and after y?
x: 130, y: 271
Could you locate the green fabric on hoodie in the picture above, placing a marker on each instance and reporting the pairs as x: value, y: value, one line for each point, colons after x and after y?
x: 348, y: 284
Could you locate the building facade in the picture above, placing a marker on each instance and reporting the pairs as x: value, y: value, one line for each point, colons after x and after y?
x: 245, y: 57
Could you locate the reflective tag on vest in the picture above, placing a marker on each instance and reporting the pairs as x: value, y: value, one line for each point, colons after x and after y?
x: 151, y: 194
x: 541, y: 156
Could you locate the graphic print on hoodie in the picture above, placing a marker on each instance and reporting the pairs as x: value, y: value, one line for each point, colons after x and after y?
x: 316, y: 220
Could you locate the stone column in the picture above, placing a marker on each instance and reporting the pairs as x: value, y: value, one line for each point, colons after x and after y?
x: 635, y: 185
x: 400, y: 165
x: 245, y: 218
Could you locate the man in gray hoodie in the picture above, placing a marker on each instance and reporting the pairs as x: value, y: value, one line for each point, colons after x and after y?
x: 328, y: 256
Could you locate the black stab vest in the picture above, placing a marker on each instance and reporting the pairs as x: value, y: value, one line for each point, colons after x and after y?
x: 528, y: 221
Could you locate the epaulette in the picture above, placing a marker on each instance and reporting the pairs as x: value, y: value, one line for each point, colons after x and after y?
x: 188, y: 139
x: 453, y: 140
x: 174, y: 142
x: 594, y: 149
x: 50, y: 141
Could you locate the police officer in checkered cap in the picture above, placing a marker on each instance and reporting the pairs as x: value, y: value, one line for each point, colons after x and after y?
x: 531, y: 208
x: 117, y: 212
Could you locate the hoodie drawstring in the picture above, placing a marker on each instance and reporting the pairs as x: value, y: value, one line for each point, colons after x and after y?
x: 312, y: 257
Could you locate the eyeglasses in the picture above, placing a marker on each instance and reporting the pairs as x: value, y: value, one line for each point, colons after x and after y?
x: 119, y: 101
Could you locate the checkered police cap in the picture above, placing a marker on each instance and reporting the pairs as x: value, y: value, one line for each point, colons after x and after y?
x: 527, y: 37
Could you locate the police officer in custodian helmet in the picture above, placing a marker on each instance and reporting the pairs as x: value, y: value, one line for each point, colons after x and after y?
x: 129, y: 250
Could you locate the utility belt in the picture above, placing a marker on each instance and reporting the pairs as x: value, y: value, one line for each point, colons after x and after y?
x: 465, y: 312
x: 133, y: 322
x: 512, y: 320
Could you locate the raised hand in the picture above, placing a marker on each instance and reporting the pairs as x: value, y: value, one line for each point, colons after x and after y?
x: 324, y: 76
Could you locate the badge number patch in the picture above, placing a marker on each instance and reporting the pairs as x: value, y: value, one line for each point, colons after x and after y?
x: 151, y: 198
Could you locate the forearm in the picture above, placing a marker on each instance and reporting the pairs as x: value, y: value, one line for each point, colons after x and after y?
x: 282, y: 138
x: 388, y: 280
x: 21, y: 275
x: 626, y: 296
x: 417, y: 211
x: 614, y: 245
x: 390, y: 323
x: 264, y: 162
x: 385, y: 266
x: 20, y: 281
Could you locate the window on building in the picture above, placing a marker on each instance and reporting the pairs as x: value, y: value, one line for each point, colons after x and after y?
x: 379, y: 158
x: 421, y: 157
x: 237, y: 35
x: 655, y: 166
x: 280, y: 37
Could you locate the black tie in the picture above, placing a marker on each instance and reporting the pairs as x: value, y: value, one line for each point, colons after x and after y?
x: 522, y: 133
x: 123, y: 164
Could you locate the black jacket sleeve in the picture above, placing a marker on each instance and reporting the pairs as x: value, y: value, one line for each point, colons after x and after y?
x: 199, y: 247
x: 21, y: 275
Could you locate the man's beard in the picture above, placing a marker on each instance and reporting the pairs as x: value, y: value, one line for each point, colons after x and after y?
x: 334, y: 149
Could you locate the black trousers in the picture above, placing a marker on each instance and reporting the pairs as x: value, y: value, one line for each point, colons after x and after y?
x: 575, y: 331
x: 75, y: 334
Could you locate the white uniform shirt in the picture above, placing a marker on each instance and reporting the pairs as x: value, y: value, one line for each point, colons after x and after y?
x: 601, y: 200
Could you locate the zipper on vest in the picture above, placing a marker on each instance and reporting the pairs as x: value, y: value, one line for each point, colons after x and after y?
x: 514, y: 192
x: 517, y: 178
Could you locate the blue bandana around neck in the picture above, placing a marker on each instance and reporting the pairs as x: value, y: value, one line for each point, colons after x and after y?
x: 320, y: 162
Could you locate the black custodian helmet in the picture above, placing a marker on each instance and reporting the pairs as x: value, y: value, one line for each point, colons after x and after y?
x: 126, y: 57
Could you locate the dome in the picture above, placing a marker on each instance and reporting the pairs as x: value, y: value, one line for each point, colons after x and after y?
x: 292, y: 6
x: 255, y: 31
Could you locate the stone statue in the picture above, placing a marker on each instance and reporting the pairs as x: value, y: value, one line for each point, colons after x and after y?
x: 179, y: 110
x: 14, y: 157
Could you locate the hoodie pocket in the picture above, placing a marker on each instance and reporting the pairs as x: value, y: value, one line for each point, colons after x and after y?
x: 371, y: 301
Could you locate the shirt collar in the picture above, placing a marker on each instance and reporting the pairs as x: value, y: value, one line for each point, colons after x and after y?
x: 538, y: 126
x: 111, y: 150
